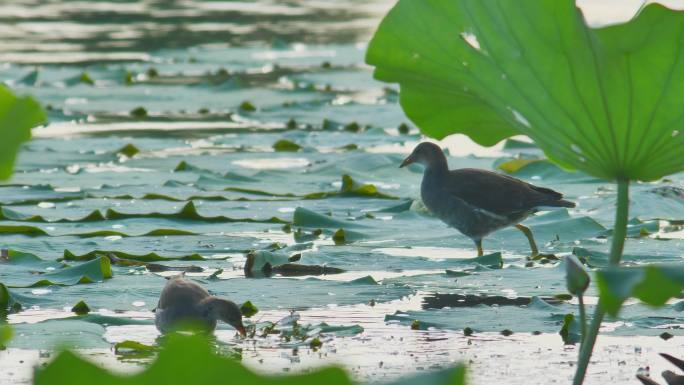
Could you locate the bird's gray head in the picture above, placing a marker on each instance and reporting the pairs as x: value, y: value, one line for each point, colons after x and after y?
x: 226, y: 311
x: 428, y: 154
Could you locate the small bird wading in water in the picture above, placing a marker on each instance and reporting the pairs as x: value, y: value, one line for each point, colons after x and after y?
x: 184, y: 303
x: 478, y: 202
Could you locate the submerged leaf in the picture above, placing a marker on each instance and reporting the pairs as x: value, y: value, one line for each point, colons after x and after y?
x: 591, y: 99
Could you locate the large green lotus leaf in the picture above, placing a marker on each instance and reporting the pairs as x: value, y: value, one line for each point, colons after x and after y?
x: 604, y: 101
x: 653, y: 284
x: 190, y: 360
x: 17, y: 117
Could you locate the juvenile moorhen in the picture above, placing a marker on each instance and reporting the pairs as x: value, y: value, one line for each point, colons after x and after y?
x: 183, y: 302
x: 478, y: 202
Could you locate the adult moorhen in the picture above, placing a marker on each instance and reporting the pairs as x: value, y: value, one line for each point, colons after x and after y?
x: 478, y: 202
x: 183, y: 302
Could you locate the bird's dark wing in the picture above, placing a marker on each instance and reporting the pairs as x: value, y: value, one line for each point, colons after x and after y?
x: 181, y: 292
x: 498, y: 193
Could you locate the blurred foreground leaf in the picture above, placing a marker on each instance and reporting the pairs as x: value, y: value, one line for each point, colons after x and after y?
x: 189, y: 360
x: 17, y: 116
x: 653, y: 284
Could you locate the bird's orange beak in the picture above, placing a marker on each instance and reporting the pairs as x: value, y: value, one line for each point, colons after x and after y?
x: 409, y: 159
x: 241, y: 330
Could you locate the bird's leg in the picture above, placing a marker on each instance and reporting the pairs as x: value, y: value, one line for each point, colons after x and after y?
x: 528, y: 234
x: 478, y: 243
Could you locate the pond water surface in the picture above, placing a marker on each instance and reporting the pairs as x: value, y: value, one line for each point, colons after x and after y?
x: 165, y: 121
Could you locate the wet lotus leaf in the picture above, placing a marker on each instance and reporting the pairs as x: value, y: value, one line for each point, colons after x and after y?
x: 514, y: 165
x: 81, y: 308
x: 536, y: 315
x: 456, y: 273
x: 150, y: 257
x: 637, y: 228
x: 298, y: 270
x: 247, y: 106
x: 258, y: 260
x: 139, y: 112
x: 87, y: 272
x: 339, y: 237
x: 5, y: 298
x: 30, y: 79
x: 286, y: 145
x: 34, y: 231
x: 473, y: 61
x: 70, y: 332
x: 171, y: 367
x: 570, y: 332
x: 188, y: 212
x: 248, y: 309
x: 315, y: 343
x: 439, y: 301
x: 13, y: 215
x: 30, y: 231
x: 104, y: 320
x: 593, y: 258
x: 367, y: 280
x: 352, y: 188
x: 493, y: 260
x: 401, y: 207
x: 128, y: 150
x: 542, y: 282
x: 16, y: 257
x: 166, y: 232
x: 134, y: 349
x: 307, y: 218
x: 287, y: 292
x: 653, y: 284
x: 259, y: 192
x: 543, y: 170
x: 175, y: 199
x: 82, y: 78
x: 17, y: 116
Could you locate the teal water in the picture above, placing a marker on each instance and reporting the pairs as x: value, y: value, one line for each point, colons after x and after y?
x: 178, y: 81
